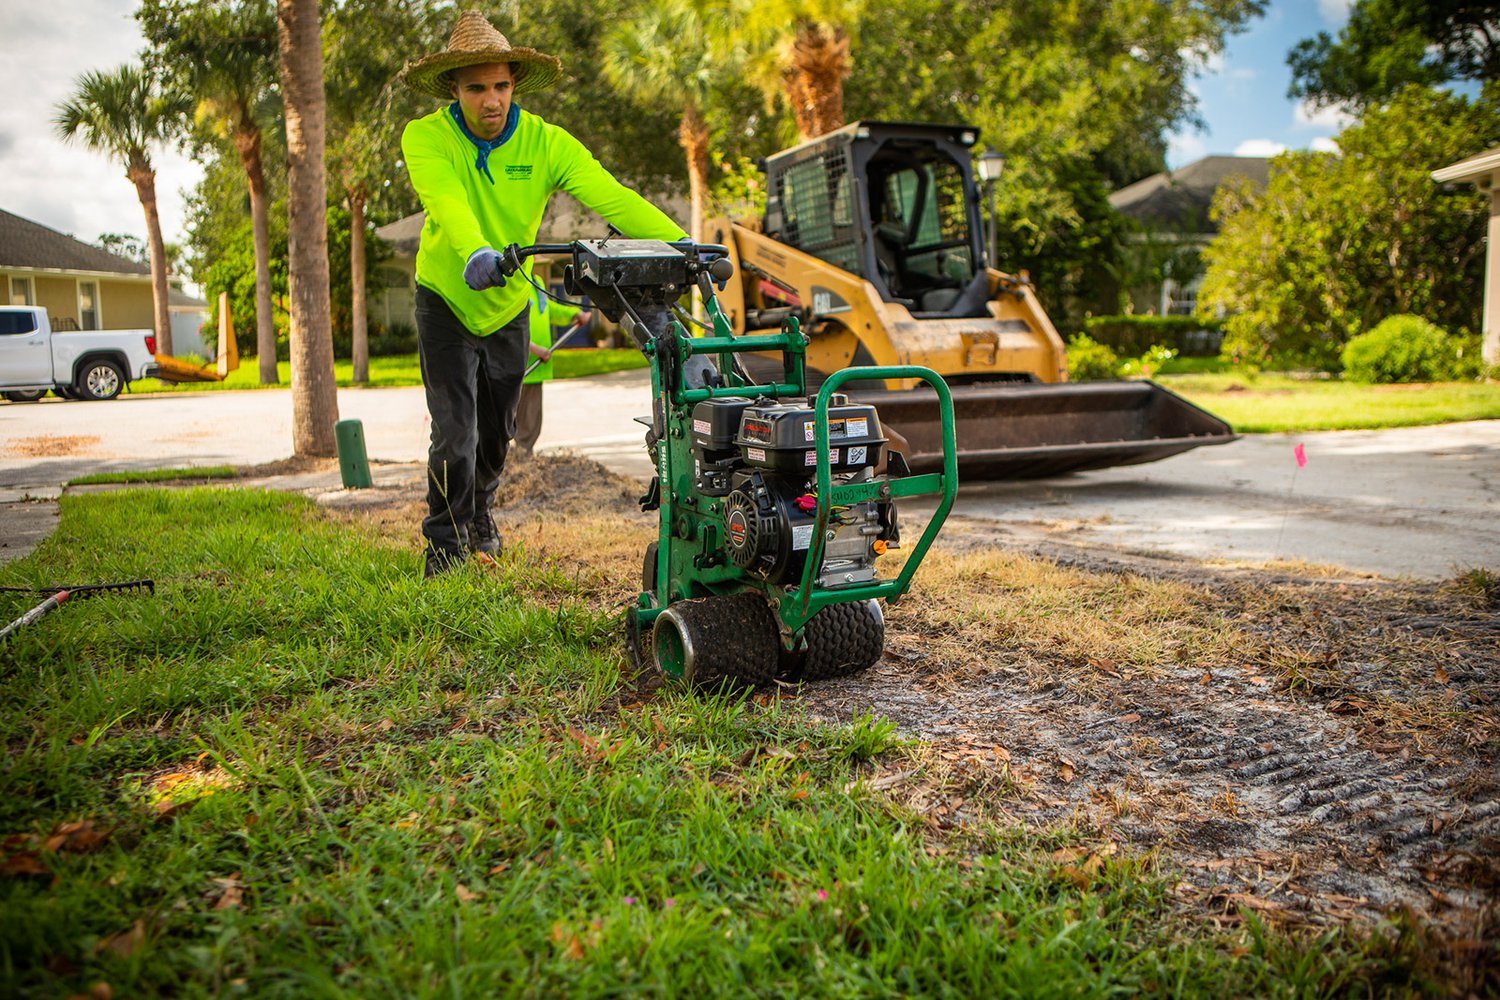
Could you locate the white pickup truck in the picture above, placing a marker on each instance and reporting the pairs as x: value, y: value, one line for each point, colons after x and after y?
x: 82, y: 364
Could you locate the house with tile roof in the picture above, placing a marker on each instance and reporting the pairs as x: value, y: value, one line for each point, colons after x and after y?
x: 86, y: 288
x: 1483, y: 171
x: 1171, y: 213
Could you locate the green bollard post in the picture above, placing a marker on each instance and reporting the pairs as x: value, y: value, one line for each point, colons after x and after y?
x: 353, y: 465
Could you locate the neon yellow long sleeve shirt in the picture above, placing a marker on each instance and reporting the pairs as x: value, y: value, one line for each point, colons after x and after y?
x: 469, y: 208
x: 546, y: 313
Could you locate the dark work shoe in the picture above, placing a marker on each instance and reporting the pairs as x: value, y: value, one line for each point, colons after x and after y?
x: 440, y: 561
x: 483, y: 535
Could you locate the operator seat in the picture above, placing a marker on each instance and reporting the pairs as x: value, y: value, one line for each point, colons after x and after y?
x: 890, y: 241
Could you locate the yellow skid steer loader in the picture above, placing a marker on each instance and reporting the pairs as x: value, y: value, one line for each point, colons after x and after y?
x: 872, y: 239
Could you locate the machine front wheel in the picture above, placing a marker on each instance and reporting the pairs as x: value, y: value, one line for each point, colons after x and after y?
x: 713, y: 643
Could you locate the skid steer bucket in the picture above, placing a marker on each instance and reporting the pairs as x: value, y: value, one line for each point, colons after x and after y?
x: 1032, y: 431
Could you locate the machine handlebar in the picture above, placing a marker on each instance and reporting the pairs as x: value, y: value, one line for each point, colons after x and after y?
x: 714, y: 255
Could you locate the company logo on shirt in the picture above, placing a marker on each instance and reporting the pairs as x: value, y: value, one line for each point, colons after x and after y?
x: 518, y: 171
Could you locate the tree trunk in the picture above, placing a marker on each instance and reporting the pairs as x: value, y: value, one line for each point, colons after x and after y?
x: 144, y: 180
x: 814, y: 78
x: 361, y: 348
x: 247, y: 142
x: 315, y: 404
x: 692, y: 135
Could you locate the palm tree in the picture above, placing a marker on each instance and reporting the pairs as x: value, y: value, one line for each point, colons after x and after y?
x: 225, y: 53
x: 805, y: 46
x: 315, y: 403
x: 665, y: 54
x: 366, y: 43
x: 122, y: 113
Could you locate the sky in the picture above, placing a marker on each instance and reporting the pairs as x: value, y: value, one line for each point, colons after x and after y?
x: 1242, y: 98
x: 1242, y: 92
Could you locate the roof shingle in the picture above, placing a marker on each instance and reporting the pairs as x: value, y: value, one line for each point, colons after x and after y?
x: 1177, y: 201
x: 24, y: 243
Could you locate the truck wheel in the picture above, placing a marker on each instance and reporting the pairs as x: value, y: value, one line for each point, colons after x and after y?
x: 100, y: 380
x: 718, y: 643
x: 843, y: 639
x: 25, y: 395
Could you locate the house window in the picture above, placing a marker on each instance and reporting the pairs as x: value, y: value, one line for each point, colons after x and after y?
x: 21, y: 292
x: 1180, y: 300
x: 88, y: 305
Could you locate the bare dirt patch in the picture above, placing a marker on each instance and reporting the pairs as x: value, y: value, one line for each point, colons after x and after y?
x: 54, y: 446
x: 1316, y: 747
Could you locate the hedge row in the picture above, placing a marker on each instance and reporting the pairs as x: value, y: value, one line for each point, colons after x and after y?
x: 1128, y: 335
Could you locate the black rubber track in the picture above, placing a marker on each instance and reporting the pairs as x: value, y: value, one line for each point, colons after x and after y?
x: 843, y: 639
x: 735, y: 639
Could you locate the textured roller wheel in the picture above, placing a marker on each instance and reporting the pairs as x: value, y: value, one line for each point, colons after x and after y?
x: 713, y: 643
x: 843, y: 639
x: 637, y: 643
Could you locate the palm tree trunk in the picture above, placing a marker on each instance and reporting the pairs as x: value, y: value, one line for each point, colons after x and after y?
x: 814, y: 79
x: 361, y: 333
x: 315, y: 404
x: 692, y: 135
x: 247, y: 142
x: 144, y: 180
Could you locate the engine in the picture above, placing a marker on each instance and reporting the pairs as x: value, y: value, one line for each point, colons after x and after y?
x: 761, y: 457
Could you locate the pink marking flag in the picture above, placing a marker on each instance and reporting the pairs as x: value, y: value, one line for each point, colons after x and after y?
x: 1301, y: 456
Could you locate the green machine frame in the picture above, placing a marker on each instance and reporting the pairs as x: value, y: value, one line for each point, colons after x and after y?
x: 689, y: 554
x: 689, y: 560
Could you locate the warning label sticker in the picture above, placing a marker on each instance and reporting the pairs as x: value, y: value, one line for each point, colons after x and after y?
x: 755, y: 454
x: 801, y: 536
x: 809, y: 431
x: 702, y: 427
x: 857, y: 455
x: 810, y: 458
x: 858, y: 427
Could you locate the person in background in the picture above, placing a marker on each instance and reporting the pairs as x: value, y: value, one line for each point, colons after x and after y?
x: 546, y: 313
x: 484, y: 170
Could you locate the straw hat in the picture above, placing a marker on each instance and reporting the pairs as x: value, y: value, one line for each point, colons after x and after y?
x: 475, y: 41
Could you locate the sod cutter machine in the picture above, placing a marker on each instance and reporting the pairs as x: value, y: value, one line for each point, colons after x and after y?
x: 772, y: 512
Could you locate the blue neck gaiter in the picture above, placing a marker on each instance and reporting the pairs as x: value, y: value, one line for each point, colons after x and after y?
x: 486, y: 146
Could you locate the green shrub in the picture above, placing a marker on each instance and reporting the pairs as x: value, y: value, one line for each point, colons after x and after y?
x: 1468, y: 357
x: 1149, y: 363
x: 1401, y: 348
x: 1189, y: 336
x: 1089, y: 360
x: 398, y: 338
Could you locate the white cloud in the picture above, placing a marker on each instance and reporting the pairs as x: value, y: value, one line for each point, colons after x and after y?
x: 1203, y: 62
x: 62, y: 185
x: 1259, y: 147
x: 1334, y: 12
x: 1323, y: 144
x: 1243, y: 73
x: 1304, y: 117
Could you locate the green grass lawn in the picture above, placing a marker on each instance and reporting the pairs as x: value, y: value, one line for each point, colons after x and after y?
x: 297, y: 770
x: 1269, y: 402
x: 402, y: 369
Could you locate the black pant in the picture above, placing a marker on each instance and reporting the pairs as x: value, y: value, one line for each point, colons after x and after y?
x: 472, y: 385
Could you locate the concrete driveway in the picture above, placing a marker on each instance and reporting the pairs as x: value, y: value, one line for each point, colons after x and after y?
x: 1418, y: 502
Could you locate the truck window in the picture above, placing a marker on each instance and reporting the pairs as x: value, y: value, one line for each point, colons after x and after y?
x: 17, y: 323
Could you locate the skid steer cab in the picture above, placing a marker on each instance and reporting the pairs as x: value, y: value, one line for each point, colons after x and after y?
x: 772, y: 514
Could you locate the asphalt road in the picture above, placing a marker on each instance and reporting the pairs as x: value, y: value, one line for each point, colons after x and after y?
x: 1417, y: 502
